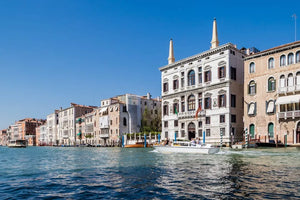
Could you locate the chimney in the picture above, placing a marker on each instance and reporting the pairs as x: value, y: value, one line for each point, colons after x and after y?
x: 214, y: 41
x: 171, y: 58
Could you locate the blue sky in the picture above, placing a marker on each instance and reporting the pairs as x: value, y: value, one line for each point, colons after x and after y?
x: 60, y: 51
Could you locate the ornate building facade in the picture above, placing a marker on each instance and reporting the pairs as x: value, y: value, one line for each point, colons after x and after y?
x: 209, y: 84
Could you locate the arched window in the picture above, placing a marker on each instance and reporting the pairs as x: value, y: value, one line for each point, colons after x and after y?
x: 191, y: 103
x: 271, y: 129
x: 290, y: 81
x: 124, y: 121
x: 271, y: 63
x: 252, y: 67
x: 166, y: 110
x: 290, y: 58
x: 282, y: 81
x: 271, y: 84
x: 252, y: 88
x: 298, y: 56
x: 282, y: 60
x: 191, y: 77
x: 298, y: 80
x: 252, y: 130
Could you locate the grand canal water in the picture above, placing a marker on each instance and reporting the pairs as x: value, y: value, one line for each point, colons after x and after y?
x: 115, y: 173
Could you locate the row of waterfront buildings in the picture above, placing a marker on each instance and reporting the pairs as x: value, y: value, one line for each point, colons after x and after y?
x: 219, y: 95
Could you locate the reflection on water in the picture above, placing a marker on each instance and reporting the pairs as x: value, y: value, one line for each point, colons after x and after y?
x: 115, y: 173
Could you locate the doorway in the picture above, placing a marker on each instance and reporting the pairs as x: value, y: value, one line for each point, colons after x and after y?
x: 191, y: 130
x: 298, y: 133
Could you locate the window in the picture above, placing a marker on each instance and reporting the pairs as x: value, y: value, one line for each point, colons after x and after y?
x: 290, y: 81
x: 298, y: 57
x: 252, y: 88
x: 208, y: 132
x: 282, y: 108
x: 175, y: 123
x: 182, y: 125
x: 175, y: 84
x: 252, y: 67
x: 207, y: 103
x: 222, y: 118
x: 252, y: 130
x: 200, y: 100
x: 290, y: 58
x: 200, y: 74
x: 233, y: 118
x: 165, y: 124
x: 166, y: 134
x: 191, y: 103
x: 298, y: 80
x: 207, y: 76
x: 282, y: 60
x: 271, y: 63
x: 110, y: 122
x: 233, y: 101
x: 175, y: 108
x: 233, y: 73
x: 182, y: 104
x: 182, y: 79
x: 199, y: 124
x: 221, y: 72
x: 200, y: 133
x: 289, y: 107
x: 182, y: 133
x: 271, y: 84
x: 222, y: 100
x: 270, y: 107
x: 252, y: 109
x: 166, y: 87
x: 282, y: 81
x: 165, y: 110
x: 271, y: 129
x: 207, y: 120
x: 124, y: 121
x: 191, y: 78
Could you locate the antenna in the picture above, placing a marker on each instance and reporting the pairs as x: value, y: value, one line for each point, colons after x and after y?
x: 295, y: 17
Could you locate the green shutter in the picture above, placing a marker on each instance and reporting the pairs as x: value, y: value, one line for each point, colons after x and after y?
x: 252, y: 130
x: 271, y: 129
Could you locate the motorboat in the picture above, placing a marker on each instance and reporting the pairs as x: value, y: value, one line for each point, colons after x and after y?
x: 137, y: 145
x: 187, y: 147
x: 17, y: 144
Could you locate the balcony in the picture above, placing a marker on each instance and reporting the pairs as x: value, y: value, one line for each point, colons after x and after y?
x: 190, y: 114
x: 284, y: 90
x: 104, y: 135
x: 288, y: 114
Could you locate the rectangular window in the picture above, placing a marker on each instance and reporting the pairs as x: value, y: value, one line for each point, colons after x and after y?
x: 182, y: 125
x: 182, y: 104
x: 110, y: 122
x: 200, y: 77
x: 200, y: 133
x: 233, y: 118
x: 200, y: 100
x: 207, y: 76
x: 182, y: 133
x: 222, y: 118
x: 207, y: 103
x: 207, y: 133
x: 175, y: 123
x: 207, y: 120
x: 175, y: 108
x: 222, y: 131
x: 166, y: 134
x: 233, y: 101
x: 165, y: 110
x: 199, y: 124
x: 221, y: 72
x: 175, y: 84
x: 222, y: 100
x: 165, y: 124
x: 166, y: 87
x: 182, y: 79
x: 233, y: 73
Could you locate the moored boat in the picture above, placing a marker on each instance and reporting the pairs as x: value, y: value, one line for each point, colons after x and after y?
x: 187, y: 147
x: 137, y: 145
x: 17, y: 144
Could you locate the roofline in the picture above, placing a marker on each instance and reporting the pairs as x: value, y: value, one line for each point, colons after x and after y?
x: 274, y: 50
x: 201, y: 55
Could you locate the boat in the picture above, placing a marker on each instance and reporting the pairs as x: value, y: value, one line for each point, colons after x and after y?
x: 137, y: 145
x: 17, y: 144
x: 187, y: 147
x: 269, y: 144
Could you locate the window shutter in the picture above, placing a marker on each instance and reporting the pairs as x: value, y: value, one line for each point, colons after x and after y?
x: 274, y: 84
x: 255, y: 88
x: 266, y: 107
x: 219, y: 73
x: 224, y: 100
x: 275, y: 106
x: 255, y: 108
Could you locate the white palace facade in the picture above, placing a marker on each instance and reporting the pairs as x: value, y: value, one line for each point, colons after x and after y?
x: 212, y: 80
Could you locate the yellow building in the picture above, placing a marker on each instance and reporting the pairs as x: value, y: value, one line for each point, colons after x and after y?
x: 272, y: 93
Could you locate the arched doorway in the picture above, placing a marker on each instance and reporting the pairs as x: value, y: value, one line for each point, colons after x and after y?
x: 191, y: 130
x: 298, y: 133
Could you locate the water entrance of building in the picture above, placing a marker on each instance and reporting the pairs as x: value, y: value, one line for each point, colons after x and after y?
x: 191, y: 130
x: 298, y: 133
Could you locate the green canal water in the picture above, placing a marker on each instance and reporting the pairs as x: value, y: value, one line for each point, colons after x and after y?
x: 116, y: 173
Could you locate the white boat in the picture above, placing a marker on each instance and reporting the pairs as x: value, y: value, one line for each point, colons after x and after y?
x: 17, y: 144
x: 187, y: 147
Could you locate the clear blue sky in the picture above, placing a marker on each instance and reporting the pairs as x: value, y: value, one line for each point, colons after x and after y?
x: 60, y: 51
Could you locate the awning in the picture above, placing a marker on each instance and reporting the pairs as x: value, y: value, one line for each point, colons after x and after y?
x: 288, y: 99
x: 251, y: 109
x: 103, y: 109
x: 270, y: 107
